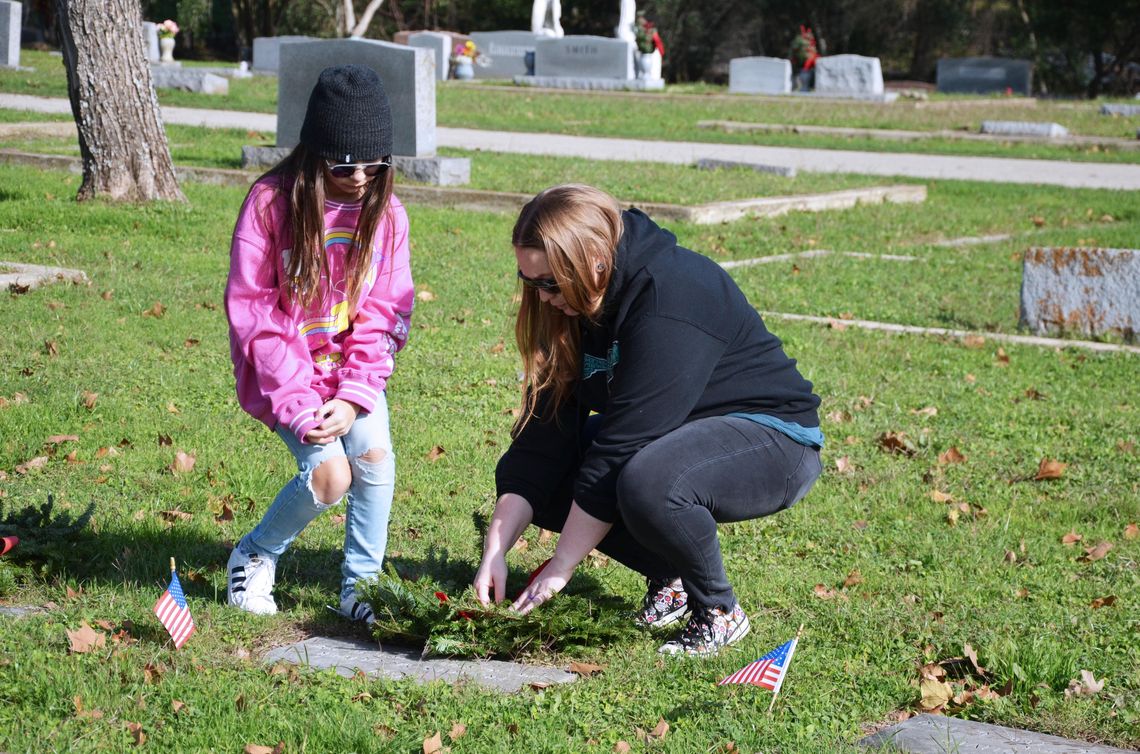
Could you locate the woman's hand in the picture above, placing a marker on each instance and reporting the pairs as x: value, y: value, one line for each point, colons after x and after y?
x: 491, y: 578
x: 545, y: 585
x: 337, y: 417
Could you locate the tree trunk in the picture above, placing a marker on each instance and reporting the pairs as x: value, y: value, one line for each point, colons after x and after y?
x: 121, y: 138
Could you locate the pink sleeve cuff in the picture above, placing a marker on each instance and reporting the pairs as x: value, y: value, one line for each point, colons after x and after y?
x: 362, y: 393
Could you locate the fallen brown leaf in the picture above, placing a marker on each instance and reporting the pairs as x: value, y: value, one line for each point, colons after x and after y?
x: 36, y: 463
x: 433, y: 744
x: 1095, y: 553
x: 838, y: 417
x: 177, y: 706
x: 1071, y: 538
x: 941, y: 497
x: 852, y: 579
x: 425, y: 295
x: 1050, y: 469
x: 1100, y: 602
x: 1087, y: 685
x: 935, y: 694
x: 1131, y: 531
x: 621, y: 747
x: 973, y: 656
x: 1002, y: 357
x: 952, y: 455
x: 844, y: 466
x: 585, y: 668
x: 172, y: 408
x: 136, y: 731
x: 435, y: 453
x: 458, y: 730
x: 58, y: 439
x: 660, y: 730
x: 84, y: 639
x: 928, y: 411
x: 183, y: 462
x: 896, y: 442
x: 176, y: 515
x: 823, y: 591
x: 973, y: 341
x: 155, y: 311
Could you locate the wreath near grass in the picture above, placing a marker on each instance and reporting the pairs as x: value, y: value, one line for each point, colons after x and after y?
x: 446, y: 619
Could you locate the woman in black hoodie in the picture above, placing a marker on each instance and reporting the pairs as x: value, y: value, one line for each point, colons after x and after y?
x: 656, y: 405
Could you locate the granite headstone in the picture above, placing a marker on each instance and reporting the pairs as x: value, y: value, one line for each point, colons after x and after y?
x: 408, y: 74
x: 267, y: 51
x: 759, y: 75
x: 848, y: 74
x: 189, y: 80
x: 503, y: 53
x: 584, y: 57
x: 984, y: 76
x: 10, y: 14
x: 1126, y: 111
x: 439, y: 44
x: 1024, y: 128
x: 150, y: 41
x: 1088, y: 291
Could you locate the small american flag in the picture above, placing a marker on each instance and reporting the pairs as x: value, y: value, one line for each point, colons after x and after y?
x: 768, y: 671
x: 173, y: 612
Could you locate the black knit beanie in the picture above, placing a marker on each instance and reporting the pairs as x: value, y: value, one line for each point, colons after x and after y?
x: 349, y: 118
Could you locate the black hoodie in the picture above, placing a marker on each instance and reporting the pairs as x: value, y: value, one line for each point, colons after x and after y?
x: 676, y: 341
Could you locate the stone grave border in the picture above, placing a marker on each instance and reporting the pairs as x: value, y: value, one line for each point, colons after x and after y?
x: 17, y: 275
x: 888, y: 134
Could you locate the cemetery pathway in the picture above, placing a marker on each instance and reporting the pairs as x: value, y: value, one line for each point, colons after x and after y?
x: 912, y: 165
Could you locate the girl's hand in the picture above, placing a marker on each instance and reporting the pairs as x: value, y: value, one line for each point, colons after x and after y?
x: 548, y: 583
x: 491, y: 578
x: 337, y: 417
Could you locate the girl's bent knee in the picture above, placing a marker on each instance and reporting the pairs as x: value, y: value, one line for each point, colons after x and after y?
x: 331, y: 480
x: 376, y: 466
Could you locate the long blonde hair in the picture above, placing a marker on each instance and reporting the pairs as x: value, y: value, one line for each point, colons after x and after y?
x: 578, y: 227
x: 301, y: 177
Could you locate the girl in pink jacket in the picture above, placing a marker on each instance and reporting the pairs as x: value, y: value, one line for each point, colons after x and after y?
x: 318, y: 299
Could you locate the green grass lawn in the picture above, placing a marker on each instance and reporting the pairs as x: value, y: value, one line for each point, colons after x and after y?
x: 932, y: 576
x: 674, y: 114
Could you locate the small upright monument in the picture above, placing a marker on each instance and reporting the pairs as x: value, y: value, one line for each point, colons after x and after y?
x: 546, y: 18
x: 10, y: 14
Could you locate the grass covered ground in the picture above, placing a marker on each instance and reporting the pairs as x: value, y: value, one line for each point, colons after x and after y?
x: 674, y: 114
x: 884, y: 573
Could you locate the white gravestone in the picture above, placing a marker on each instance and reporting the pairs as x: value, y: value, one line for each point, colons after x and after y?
x: 984, y: 76
x: 627, y: 17
x: 584, y: 57
x: 10, y: 14
x: 150, y: 41
x: 759, y: 75
x: 848, y: 74
x: 440, y: 46
x: 1024, y: 128
x: 546, y: 18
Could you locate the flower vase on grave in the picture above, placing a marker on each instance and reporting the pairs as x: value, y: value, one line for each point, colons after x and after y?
x: 462, y: 68
x: 166, y: 45
x: 649, y: 65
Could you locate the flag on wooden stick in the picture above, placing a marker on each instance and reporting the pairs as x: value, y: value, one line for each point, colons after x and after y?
x: 173, y: 612
x: 766, y: 672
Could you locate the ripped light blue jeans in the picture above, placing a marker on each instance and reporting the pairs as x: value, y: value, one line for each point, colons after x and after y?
x: 369, y: 498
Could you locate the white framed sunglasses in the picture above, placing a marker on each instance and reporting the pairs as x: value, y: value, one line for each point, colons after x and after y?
x: 347, y: 169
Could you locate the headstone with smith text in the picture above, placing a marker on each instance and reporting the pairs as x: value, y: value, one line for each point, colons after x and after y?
x: 985, y: 76
x: 584, y: 57
x: 759, y: 75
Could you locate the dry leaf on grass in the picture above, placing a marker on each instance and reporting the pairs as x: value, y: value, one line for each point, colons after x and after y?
x: 136, y: 731
x: 823, y: 591
x: 1100, y: 602
x: 156, y: 311
x: 1131, y: 531
x: 935, y: 694
x: 177, y: 706
x: 621, y: 747
x: 183, y: 462
x: 1050, y: 469
x: 852, y: 579
x: 433, y: 744
x: 58, y: 439
x: 953, y: 455
x: 844, y: 466
x: 659, y: 732
x: 1095, y: 553
x: 85, y: 639
x: 458, y: 730
x: 36, y: 463
x: 585, y: 668
x: 896, y: 442
x: 175, y: 515
x: 436, y: 453
x: 1087, y: 685
x: 1071, y: 538
x: 258, y: 749
x: 425, y: 295
x: 927, y: 411
x: 941, y: 497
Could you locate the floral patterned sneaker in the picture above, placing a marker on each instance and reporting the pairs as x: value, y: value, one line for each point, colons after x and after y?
x: 665, y: 602
x: 710, y: 630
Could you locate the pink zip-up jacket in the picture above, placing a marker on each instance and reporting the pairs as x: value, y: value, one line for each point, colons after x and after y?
x: 289, y: 360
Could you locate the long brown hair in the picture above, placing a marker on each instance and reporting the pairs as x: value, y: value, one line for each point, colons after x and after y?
x: 301, y: 177
x: 578, y: 227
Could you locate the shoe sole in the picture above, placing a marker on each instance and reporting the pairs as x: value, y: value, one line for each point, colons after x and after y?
x: 665, y: 620
x: 738, y: 633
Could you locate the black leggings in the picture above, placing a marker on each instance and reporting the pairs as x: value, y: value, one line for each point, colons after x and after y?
x: 674, y: 491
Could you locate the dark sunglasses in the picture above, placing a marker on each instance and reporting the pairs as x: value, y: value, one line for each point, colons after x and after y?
x: 550, y: 285
x: 348, y: 169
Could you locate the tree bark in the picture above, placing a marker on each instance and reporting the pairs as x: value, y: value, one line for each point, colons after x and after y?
x: 121, y: 138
